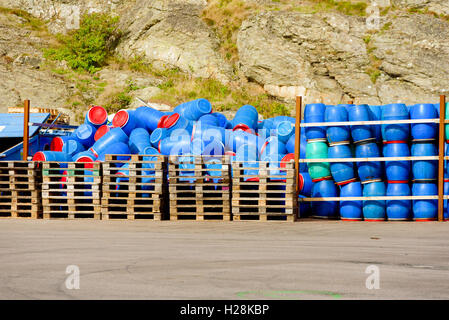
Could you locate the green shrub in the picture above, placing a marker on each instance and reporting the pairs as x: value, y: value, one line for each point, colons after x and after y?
x: 88, y: 47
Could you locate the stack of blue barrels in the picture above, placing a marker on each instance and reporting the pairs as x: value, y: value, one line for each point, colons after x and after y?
x: 375, y: 178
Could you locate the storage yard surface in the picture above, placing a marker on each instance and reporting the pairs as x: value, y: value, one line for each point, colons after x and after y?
x: 216, y: 260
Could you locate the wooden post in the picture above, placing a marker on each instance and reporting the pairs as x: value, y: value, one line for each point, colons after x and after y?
x: 26, y: 120
x: 297, y: 139
x: 351, y: 102
x: 441, y: 159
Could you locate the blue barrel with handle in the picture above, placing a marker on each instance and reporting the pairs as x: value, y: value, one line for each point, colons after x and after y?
x: 325, y: 209
x: 139, y: 139
x: 351, y: 210
x: 157, y: 135
x: 193, y: 110
x: 305, y: 184
x: 341, y: 171
x: 314, y: 112
x: 148, y: 118
x: 85, y: 134
x: 177, y: 122
x: 424, y: 169
x: 125, y: 119
x: 399, y: 210
x: 58, y: 143
x: 96, y: 116
x: 290, y: 146
x: 360, y: 133
x: 368, y: 170
x: 375, y: 114
x: 72, y: 147
x: 374, y: 210
x: 181, y: 144
x: 425, y: 210
x: 395, y: 132
x: 338, y: 133
x: 113, y: 136
x: 272, y: 146
x: 397, y: 170
x: 85, y: 156
x: 221, y: 119
x: 422, y: 131
x: 116, y: 148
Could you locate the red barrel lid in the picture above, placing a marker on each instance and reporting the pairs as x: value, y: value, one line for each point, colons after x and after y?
x: 394, y: 141
x: 101, y: 131
x: 87, y: 160
x: 171, y: 120
x: 256, y: 179
x: 242, y: 127
x: 120, y: 119
x: 287, y: 158
x: 230, y: 153
x: 97, y: 115
x: 161, y: 122
x: 56, y: 144
x: 322, y: 179
x: 39, y: 156
x: 301, y: 181
x: 397, y: 181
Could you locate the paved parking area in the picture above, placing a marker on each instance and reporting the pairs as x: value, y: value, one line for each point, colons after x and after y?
x: 216, y: 260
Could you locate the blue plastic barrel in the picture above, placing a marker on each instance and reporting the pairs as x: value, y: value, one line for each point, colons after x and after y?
x: 351, y: 210
x: 325, y: 209
x: 375, y: 114
x: 395, y: 132
x: 424, y: 169
x: 305, y: 184
x: 84, y: 156
x: 235, y: 139
x: 116, y: 148
x: 207, y: 132
x: 85, y: 134
x: 214, y: 148
x: 360, y: 133
x: 314, y: 112
x: 285, y: 130
x: 126, y: 120
x: 209, y: 119
x: 139, y: 139
x: 72, y: 147
x: 423, y: 130
x: 276, y: 120
x: 290, y: 146
x: 177, y: 122
x: 148, y: 118
x: 272, y: 146
x: 425, y: 210
x: 338, y: 133
x: 197, y: 147
x: 221, y: 118
x: 157, y: 135
x: 96, y: 116
x: 341, y: 171
x: 374, y: 210
x: 368, y: 170
x: 180, y: 144
x: 193, y: 110
x: 113, y: 136
x: 52, y: 156
x: 305, y: 208
x: 248, y: 155
x: 397, y: 170
x: 398, y: 210
x: 101, y: 131
x: 246, y: 115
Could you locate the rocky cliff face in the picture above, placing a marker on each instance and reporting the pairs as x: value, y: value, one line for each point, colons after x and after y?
x: 325, y: 56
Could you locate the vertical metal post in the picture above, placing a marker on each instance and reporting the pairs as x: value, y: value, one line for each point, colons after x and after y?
x: 297, y: 139
x: 441, y: 159
x: 26, y: 120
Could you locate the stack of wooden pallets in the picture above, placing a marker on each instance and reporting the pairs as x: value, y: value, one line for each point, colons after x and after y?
x: 71, y: 190
x: 199, y: 188
x: 136, y: 192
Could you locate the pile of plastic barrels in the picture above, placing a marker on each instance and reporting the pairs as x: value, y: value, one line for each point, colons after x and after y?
x: 374, y: 178
x: 191, y: 129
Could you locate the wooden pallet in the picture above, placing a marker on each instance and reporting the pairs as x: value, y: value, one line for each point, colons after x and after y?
x: 271, y: 197
x: 194, y: 194
x: 20, y: 183
x: 136, y: 197
x: 71, y: 190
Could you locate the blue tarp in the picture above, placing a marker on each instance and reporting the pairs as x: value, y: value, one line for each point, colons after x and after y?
x: 11, y: 124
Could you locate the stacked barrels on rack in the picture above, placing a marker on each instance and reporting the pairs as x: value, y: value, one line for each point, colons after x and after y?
x: 134, y: 187
x: 71, y: 190
x: 199, y: 187
x: 20, y: 195
x: 375, y: 143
